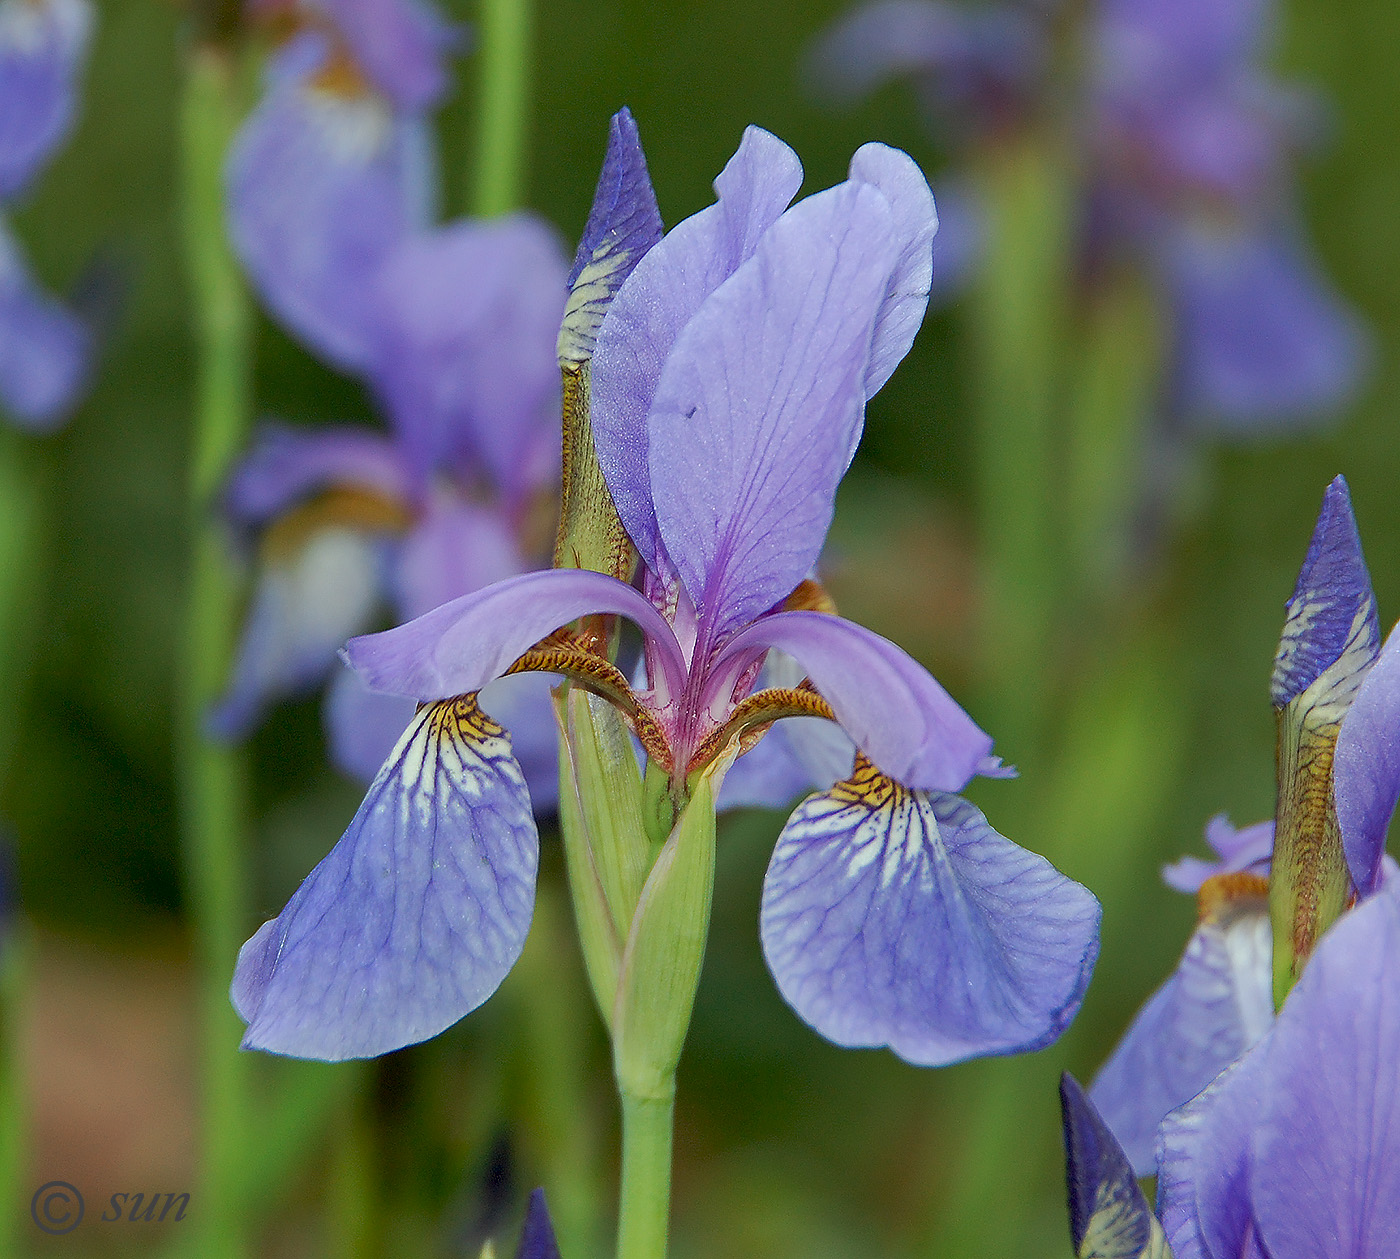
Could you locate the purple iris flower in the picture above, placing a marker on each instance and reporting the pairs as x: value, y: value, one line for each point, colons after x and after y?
x: 45, y: 349
x: 1187, y: 155
x: 729, y: 382
x: 1292, y: 1151
x: 1219, y: 1001
x: 453, y: 329
x: 1289, y: 1151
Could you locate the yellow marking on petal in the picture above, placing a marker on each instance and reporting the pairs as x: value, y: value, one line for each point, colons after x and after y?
x: 463, y: 720
x: 340, y: 507
x: 341, y: 76
x: 867, y: 787
x: 1223, y: 896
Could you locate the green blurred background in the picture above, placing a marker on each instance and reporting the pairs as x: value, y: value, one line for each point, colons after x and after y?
x: 786, y: 1146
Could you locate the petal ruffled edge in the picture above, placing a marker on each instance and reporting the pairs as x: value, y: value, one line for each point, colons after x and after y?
x: 901, y: 918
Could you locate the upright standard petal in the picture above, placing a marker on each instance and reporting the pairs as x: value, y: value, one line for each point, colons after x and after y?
x: 399, y: 44
x: 45, y: 349
x: 1263, y: 342
x: 1324, y: 1176
x: 914, y: 220
x: 1214, y: 1007
x: 286, y: 464
x: 1366, y: 768
x: 417, y: 913
x: 764, y: 391
x: 460, y: 647
x: 1332, y: 611
x: 43, y: 44
x: 893, y: 708
x: 1108, y: 1216
x: 464, y: 321
x: 901, y: 918
x: 623, y: 224
x: 323, y: 180
x: 659, y: 298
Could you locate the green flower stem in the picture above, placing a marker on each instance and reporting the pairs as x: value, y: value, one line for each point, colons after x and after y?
x: 14, y: 1112
x: 25, y: 474
x: 552, y: 1037
x: 645, y: 1200
x: 213, y: 792
x: 505, y: 82
x: 1111, y: 400
x: 1017, y: 314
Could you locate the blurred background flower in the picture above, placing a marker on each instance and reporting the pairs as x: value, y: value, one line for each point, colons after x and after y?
x: 44, y: 347
x: 452, y: 329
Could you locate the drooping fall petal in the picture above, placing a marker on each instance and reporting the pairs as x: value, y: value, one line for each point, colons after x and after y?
x: 417, y: 913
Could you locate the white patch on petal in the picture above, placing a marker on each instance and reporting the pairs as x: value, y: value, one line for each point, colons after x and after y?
x: 354, y: 130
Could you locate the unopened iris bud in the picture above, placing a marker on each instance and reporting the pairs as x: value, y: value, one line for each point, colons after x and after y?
x: 623, y: 224
x: 1108, y: 1216
x: 1330, y: 641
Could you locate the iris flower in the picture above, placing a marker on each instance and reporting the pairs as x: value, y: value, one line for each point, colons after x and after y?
x: 1291, y: 1150
x: 1338, y: 691
x: 729, y: 382
x: 45, y: 348
x: 1187, y: 148
x: 453, y: 330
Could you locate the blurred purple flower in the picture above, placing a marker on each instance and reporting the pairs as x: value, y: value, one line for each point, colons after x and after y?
x: 325, y: 179
x: 45, y: 349
x: 453, y: 330
x: 1188, y: 148
x: 729, y: 381
x: 397, y: 45
x: 1219, y: 1001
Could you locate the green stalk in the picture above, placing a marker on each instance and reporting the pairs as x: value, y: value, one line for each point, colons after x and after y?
x: 1112, y: 399
x: 25, y: 474
x: 213, y: 792
x: 645, y: 1204
x: 15, y: 953
x: 24, y: 480
x: 505, y: 83
x: 1017, y: 313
